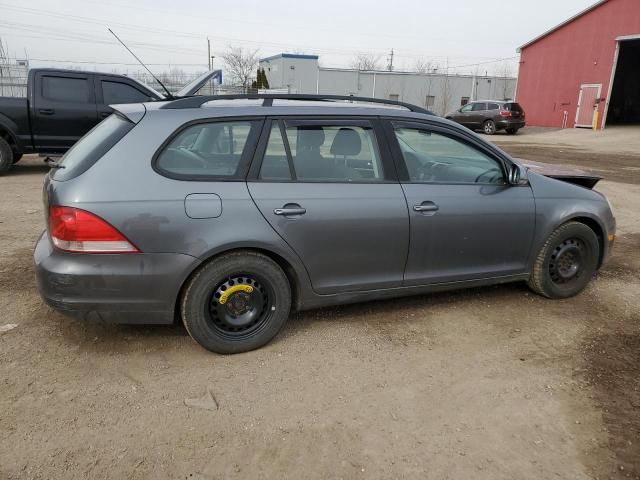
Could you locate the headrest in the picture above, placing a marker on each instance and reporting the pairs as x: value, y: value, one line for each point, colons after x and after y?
x: 310, y: 137
x: 346, y: 142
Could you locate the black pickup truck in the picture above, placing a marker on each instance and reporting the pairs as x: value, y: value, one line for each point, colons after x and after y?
x: 62, y: 105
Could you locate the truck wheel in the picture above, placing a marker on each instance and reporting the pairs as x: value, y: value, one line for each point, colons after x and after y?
x: 566, y: 262
x: 6, y: 156
x: 236, y: 303
x: 16, y: 156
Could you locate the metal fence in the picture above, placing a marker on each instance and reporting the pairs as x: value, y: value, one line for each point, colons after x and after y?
x: 13, y: 79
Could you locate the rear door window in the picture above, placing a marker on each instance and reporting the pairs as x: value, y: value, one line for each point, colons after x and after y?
x: 493, y: 106
x: 118, y: 92
x: 90, y: 148
x: 323, y: 152
x: 479, y: 107
x: 212, y: 150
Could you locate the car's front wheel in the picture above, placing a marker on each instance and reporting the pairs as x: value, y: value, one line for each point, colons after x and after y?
x: 566, y: 262
x: 236, y: 303
x: 6, y: 156
x: 489, y: 127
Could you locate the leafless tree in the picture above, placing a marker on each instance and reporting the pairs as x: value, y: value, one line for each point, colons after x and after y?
x: 241, y: 64
x: 446, y: 91
x: 366, y: 62
x: 422, y: 65
x: 505, y: 71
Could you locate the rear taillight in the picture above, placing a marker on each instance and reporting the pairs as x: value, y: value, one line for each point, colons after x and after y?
x: 505, y: 113
x: 75, y: 230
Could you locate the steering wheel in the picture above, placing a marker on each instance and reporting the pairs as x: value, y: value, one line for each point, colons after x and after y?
x: 491, y: 170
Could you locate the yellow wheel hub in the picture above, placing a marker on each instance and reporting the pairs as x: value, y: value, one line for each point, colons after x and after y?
x: 231, y: 290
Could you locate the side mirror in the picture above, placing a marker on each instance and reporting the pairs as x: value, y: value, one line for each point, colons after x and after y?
x: 515, y: 175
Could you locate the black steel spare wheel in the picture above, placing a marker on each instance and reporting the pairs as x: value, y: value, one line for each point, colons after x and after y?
x: 236, y: 302
x: 240, y: 305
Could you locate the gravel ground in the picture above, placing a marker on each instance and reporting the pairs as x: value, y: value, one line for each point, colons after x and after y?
x: 491, y: 383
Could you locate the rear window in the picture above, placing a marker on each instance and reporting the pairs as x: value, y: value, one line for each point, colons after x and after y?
x: 90, y: 148
x: 216, y: 150
x: 513, y: 107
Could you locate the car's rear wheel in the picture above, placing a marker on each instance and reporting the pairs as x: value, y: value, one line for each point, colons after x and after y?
x: 236, y: 303
x: 489, y: 127
x: 6, y: 156
x: 566, y: 262
x: 512, y: 131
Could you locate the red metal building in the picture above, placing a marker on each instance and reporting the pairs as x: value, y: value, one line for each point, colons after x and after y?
x: 585, y: 71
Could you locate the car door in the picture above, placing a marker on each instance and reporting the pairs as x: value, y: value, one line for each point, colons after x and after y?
x: 478, y: 114
x: 327, y: 187
x: 466, y: 221
x: 64, y: 109
x: 113, y: 91
x: 464, y: 115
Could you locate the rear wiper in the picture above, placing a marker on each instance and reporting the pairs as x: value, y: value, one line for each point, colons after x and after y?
x: 52, y: 163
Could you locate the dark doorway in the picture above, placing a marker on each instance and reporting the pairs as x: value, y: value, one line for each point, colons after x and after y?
x: 624, y: 105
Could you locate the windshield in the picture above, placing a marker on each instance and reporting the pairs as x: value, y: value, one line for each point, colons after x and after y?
x: 90, y: 148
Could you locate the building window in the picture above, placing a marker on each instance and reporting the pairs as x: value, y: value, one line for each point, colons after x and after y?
x: 464, y: 101
x: 394, y: 97
x: 429, y: 101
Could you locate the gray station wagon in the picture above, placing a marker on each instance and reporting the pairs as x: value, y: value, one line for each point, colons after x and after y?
x: 229, y: 212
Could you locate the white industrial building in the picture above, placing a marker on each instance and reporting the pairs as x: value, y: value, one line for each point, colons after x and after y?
x: 437, y: 92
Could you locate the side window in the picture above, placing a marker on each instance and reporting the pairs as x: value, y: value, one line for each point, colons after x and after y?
x: 326, y: 153
x: 275, y: 165
x: 117, y: 92
x: 493, y: 106
x: 65, y: 89
x: 467, y: 108
x: 479, y: 107
x: 206, y: 150
x: 434, y: 158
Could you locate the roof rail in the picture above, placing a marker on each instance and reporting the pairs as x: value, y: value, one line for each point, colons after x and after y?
x: 198, y: 101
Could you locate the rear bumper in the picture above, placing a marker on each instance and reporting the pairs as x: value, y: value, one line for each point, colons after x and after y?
x: 121, y: 288
x: 510, y: 123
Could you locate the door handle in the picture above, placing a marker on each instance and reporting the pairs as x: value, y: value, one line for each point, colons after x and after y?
x: 46, y: 111
x: 426, y: 207
x: 290, y: 211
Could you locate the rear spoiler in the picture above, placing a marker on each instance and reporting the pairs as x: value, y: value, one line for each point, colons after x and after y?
x: 131, y: 111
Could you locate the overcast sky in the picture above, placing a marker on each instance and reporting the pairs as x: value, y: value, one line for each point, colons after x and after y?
x: 170, y: 32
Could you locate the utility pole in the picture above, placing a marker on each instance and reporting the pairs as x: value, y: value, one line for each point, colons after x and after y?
x: 390, y: 65
x: 209, y: 59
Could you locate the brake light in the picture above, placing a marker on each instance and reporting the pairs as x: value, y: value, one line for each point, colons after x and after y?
x: 505, y: 113
x: 75, y: 230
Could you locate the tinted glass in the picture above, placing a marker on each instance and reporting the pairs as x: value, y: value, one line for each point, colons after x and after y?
x: 434, y: 158
x: 275, y: 165
x: 478, y: 107
x: 335, y: 153
x: 206, y: 150
x: 116, y: 92
x: 513, y: 107
x: 92, y: 146
x: 493, y: 106
x: 66, y: 89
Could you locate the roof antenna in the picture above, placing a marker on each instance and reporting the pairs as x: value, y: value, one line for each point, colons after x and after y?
x: 169, y: 95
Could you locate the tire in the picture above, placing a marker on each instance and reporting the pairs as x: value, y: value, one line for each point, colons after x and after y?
x: 566, y: 262
x: 512, y: 131
x: 6, y: 156
x: 489, y: 127
x: 17, y: 156
x: 248, y: 318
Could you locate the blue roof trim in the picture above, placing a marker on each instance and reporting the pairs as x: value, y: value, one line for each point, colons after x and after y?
x: 290, y: 55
